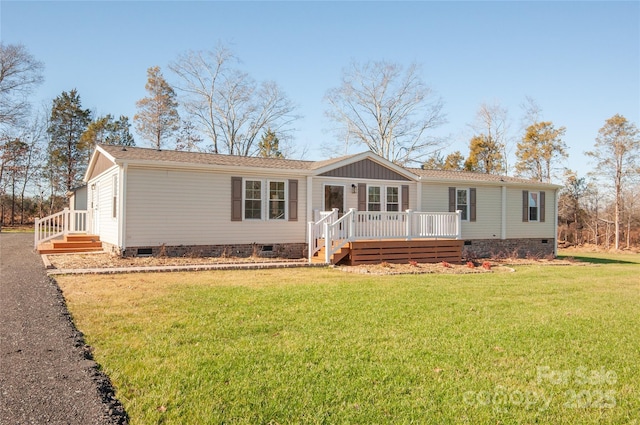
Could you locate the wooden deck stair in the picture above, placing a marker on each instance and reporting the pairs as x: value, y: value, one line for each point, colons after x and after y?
x: 71, y: 244
x: 336, y: 257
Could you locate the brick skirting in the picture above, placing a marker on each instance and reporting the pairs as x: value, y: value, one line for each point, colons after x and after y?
x: 497, y: 248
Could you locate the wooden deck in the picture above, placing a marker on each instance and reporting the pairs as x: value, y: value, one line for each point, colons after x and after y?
x: 76, y: 243
x: 397, y: 251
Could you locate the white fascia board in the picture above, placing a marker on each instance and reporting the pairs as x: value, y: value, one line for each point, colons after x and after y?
x: 94, y: 158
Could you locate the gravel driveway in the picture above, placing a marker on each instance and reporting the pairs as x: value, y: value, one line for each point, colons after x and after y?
x: 47, y: 375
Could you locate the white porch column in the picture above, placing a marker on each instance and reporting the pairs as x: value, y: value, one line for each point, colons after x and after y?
x: 418, y: 206
x: 309, y: 202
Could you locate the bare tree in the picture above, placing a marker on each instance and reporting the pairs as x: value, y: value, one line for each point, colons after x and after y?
x: 228, y: 106
x: 617, y: 155
x: 387, y: 109
x: 492, y: 126
x: 20, y: 72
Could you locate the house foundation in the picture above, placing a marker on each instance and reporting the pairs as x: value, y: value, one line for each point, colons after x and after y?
x: 277, y: 250
x: 501, y: 248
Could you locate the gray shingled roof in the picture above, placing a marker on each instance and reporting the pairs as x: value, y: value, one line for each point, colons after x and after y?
x: 121, y: 153
x: 438, y: 175
x: 149, y: 154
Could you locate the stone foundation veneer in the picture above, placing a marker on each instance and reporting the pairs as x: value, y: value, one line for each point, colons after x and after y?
x: 496, y: 248
x: 286, y: 250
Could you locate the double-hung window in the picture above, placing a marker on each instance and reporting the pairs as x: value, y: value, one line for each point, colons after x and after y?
x: 534, y: 205
x: 393, y: 198
x: 253, y: 199
x: 373, y: 198
x: 276, y: 200
x: 462, y: 203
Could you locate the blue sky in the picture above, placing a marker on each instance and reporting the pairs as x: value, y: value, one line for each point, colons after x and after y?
x: 580, y: 61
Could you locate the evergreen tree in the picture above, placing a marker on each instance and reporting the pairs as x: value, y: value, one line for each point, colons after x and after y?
x: 105, y: 130
x: 157, y: 118
x: 485, y: 156
x: 269, y: 145
x: 540, y: 147
x: 188, y: 140
x: 68, y: 153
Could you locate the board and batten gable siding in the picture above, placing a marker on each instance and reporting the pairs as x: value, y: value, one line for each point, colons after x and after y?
x: 517, y: 228
x: 351, y: 199
x: 108, y: 225
x: 193, y: 207
x: 365, y: 169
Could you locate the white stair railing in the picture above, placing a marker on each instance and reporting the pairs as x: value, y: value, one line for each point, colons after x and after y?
x: 60, y: 224
x: 316, y: 230
x: 338, y: 234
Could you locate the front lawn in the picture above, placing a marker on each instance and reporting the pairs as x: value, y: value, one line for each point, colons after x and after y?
x: 553, y: 344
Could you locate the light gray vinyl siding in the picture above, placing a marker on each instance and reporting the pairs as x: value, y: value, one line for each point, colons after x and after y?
x: 180, y: 207
x: 108, y: 225
x: 516, y: 228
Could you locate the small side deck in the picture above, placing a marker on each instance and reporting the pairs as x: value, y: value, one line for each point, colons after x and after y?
x: 396, y: 251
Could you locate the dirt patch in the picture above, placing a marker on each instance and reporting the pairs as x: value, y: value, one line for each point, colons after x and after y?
x: 487, y: 266
x: 108, y: 261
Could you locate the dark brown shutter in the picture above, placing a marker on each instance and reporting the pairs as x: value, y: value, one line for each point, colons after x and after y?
x: 236, y: 198
x: 452, y: 199
x: 362, y: 196
x: 525, y: 205
x: 405, y: 197
x: 293, y: 200
x: 472, y: 204
x: 542, y: 207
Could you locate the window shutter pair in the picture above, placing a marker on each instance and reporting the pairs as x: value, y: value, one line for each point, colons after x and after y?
x: 472, y: 202
x: 525, y: 206
x: 236, y: 199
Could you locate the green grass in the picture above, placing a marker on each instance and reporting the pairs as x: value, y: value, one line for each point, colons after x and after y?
x: 555, y: 344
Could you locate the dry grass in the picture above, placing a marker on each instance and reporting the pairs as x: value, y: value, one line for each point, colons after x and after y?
x: 102, y: 260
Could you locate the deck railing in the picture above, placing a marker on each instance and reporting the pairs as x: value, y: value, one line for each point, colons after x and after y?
x: 360, y: 225
x: 63, y: 223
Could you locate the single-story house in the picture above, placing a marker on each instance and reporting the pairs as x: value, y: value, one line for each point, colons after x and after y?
x: 143, y: 201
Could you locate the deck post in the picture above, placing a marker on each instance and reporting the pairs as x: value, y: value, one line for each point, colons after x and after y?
x: 409, y: 224
x: 458, y: 224
x: 66, y: 218
x: 310, y: 244
x: 352, y: 223
x: 327, y: 244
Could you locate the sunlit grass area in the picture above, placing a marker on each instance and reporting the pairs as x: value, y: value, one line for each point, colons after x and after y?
x: 553, y: 344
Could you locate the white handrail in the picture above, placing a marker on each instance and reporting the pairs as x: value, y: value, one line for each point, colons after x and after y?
x: 316, y: 230
x: 59, y: 224
x: 338, y: 234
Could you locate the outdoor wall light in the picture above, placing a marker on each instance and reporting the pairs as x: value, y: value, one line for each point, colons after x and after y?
x: 354, y: 188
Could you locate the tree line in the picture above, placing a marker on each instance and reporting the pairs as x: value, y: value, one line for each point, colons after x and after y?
x: 214, y: 106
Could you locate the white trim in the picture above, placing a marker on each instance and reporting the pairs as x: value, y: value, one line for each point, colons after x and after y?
x: 367, y: 155
x: 503, y: 227
x: 537, y: 220
x: 122, y: 209
x: 285, y: 199
x: 383, y: 195
x: 467, y: 205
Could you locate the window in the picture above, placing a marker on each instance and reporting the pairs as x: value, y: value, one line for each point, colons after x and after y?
x: 276, y: 201
x: 533, y: 206
x: 462, y: 203
x: 393, y: 198
x: 253, y: 199
x: 373, y: 198
x: 114, y: 191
